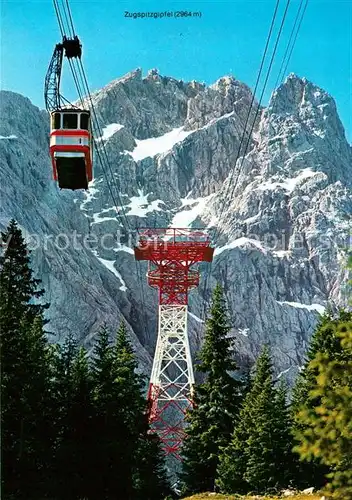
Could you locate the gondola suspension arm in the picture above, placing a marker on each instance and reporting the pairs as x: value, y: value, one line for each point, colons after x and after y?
x: 71, y: 48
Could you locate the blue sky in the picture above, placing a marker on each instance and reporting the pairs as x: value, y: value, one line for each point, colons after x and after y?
x: 227, y: 39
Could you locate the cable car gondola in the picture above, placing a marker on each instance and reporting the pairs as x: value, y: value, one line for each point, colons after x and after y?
x: 71, y: 142
x: 71, y: 147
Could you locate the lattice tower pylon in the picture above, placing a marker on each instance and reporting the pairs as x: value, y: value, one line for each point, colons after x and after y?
x: 171, y: 253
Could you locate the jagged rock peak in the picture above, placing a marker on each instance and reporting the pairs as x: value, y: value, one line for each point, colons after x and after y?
x: 305, y: 117
x: 224, y: 97
x: 224, y: 81
x: 296, y: 93
x: 227, y: 83
x: 197, y: 85
x: 153, y: 75
x: 135, y: 75
x: 153, y: 71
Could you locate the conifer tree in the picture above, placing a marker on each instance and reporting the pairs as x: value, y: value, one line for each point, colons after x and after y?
x: 82, y: 413
x: 26, y: 365
x: 73, y: 390
x: 326, y: 431
x: 324, y: 340
x: 282, y: 422
x: 216, y: 403
x: 106, y: 422
x: 18, y: 287
x: 128, y: 458
x: 131, y: 401
x: 27, y: 433
x: 150, y: 477
x: 258, y: 457
x: 147, y: 460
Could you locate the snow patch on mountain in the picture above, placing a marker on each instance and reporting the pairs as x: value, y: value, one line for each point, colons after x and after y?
x: 140, y: 206
x: 243, y: 331
x: 252, y: 219
x: 109, y: 264
x: 196, y: 317
x: 156, y: 145
x: 217, y: 120
x: 284, y: 372
x: 10, y: 137
x: 89, y: 195
x: 309, y: 307
x: 109, y: 131
x: 282, y: 253
x: 123, y: 248
x: 184, y: 218
x: 239, y: 242
x: 97, y: 219
x: 287, y: 184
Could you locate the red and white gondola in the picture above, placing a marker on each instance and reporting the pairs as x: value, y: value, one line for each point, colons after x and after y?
x: 71, y: 140
x: 71, y: 147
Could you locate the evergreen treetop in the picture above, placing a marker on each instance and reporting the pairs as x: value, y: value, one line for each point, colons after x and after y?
x: 325, y: 341
x: 18, y: 287
x: 216, y: 340
x: 216, y: 402
x: 258, y: 457
x: 326, y: 429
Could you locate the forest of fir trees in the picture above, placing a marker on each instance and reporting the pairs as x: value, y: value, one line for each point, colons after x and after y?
x: 75, y: 427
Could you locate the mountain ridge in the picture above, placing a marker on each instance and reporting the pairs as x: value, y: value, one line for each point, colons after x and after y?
x: 294, y: 184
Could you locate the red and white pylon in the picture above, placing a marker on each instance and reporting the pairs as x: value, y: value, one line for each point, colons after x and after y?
x: 171, y: 253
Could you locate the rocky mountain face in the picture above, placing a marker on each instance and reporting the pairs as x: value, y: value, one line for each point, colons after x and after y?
x: 280, y: 216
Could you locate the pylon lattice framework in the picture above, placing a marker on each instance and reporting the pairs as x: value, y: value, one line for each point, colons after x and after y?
x: 171, y: 253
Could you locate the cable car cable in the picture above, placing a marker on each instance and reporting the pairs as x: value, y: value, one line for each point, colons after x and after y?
x: 261, y: 96
x: 79, y: 90
x: 260, y: 100
x: 69, y: 27
x: 80, y: 93
x: 97, y: 126
x: 103, y: 145
x: 254, y: 120
x: 249, y: 111
x: 281, y: 73
x: 70, y: 16
x: 96, y: 123
x: 288, y: 45
x: 139, y: 275
x: 58, y: 15
x: 243, y: 158
x: 65, y: 27
x: 244, y: 132
x: 294, y: 41
x: 76, y: 79
x: 62, y: 30
x: 61, y: 25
